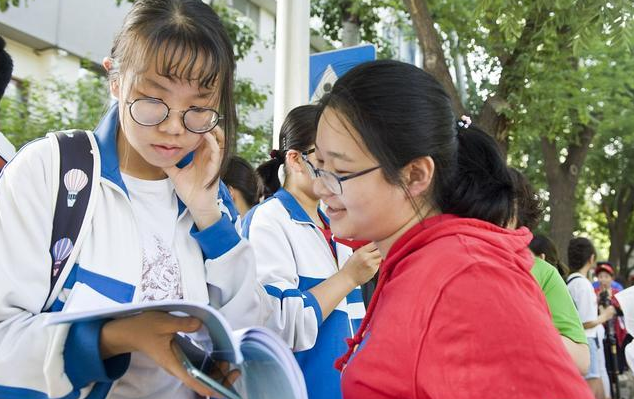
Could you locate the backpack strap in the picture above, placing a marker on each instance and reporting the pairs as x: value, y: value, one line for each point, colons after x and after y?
x: 572, y: 279
x: 79, y: 173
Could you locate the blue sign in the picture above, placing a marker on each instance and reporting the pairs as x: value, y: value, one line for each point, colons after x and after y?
x: 326, y: 67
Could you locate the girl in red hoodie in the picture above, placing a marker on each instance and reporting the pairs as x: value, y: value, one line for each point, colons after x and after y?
x: 456, y: 313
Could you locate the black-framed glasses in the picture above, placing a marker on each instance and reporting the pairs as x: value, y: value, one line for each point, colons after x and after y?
x: 330, y: 180
x: 150, y: 111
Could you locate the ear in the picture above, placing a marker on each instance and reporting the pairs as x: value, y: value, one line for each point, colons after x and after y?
x: 232, y: 193
x: 294, y: 161
x: 542, y: 256
x: 108, y: 65
x: 418, y: 175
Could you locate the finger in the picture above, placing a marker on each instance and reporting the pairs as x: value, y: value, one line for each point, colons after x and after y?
x: 370, y: 247
x: 220, y: 136
x: 171, y: 323
x: 212, y: 140
x: 232, y: 377
x: 174, y: 367
x: 224, y: 367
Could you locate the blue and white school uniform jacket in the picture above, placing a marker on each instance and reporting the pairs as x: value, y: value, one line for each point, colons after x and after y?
x: 292, y: 257
x: 38, y: 361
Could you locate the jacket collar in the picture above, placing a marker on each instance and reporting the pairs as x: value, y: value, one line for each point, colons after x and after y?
x: 106, y: 137
x: 294, y: 209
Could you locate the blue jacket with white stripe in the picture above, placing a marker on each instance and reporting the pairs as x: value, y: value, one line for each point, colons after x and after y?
x: 292, y: 256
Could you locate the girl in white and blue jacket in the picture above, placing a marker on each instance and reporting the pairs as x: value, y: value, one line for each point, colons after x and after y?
x: 160, y: 228
x: 312, y: 280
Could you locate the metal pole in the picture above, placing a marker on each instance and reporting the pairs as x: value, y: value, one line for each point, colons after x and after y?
x: 292, y: 47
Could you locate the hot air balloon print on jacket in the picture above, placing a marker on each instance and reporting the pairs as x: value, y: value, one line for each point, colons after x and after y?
x: 61, y: 251
x: 74, y: 180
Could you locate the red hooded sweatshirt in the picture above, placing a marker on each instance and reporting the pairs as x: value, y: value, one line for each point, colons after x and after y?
x: 459, y: 315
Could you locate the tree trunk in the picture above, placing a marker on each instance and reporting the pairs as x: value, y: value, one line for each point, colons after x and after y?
x: 562, y: 179
x: 618, y: 225
x: 625, y: 262
x: 434, y: 60
x: 351, y: 24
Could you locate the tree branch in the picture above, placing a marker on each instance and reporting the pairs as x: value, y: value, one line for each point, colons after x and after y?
x: 434, y: 60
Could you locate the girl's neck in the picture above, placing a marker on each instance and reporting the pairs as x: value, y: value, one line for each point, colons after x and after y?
x: 308, y: 204
x: 386, y: 244
x: 132, y: 163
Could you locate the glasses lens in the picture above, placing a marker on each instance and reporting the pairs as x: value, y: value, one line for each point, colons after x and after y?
x: 200, y: 120
x: 148, y: 112
x: 331, y: 182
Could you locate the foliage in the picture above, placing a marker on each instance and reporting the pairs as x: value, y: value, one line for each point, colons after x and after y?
x: 25, y: 121
x: 53, y: 105
x: 5, y: 4
x: 368, y: 14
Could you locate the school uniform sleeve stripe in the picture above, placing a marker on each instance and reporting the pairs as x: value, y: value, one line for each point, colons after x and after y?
x: 295, y: 314
x: 82, y: 356
x: 217, y: 239
x: 307, y: 297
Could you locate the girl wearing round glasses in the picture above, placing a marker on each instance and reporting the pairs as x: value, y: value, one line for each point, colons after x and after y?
x: 456, y: 312
x: 312, y: 280
x: 162, y: 226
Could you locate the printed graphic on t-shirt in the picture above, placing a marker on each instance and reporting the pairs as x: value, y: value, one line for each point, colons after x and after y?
x: 161, y: 278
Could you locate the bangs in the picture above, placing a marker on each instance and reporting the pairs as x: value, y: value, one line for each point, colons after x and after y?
x: 179, y: 57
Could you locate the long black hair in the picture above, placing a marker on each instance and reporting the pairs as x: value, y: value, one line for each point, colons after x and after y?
x: 542, y: 245
x: 402, y: 113
x: 241, y: 176
x: 297, y: 133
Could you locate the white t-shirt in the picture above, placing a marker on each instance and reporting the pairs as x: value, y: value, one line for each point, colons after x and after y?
x: 155, y: 208
x: 585, y: 300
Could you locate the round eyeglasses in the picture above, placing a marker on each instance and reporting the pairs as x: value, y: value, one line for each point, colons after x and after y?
x: 153, y: 111
x: 330, y: 180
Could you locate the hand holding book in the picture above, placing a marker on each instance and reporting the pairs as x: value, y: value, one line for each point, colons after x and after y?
x: 266, y: 367
x: 152, y: 333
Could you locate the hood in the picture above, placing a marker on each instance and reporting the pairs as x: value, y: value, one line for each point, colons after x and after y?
x: 481, y: 239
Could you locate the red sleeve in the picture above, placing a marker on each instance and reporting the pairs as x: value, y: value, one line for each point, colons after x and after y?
x: 490, y: 336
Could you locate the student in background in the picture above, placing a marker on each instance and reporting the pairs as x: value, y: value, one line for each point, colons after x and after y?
x: 456, y: 313
x: 544, y: 248
x: 313, y: 280
x: 242, y: 183
x: 581, y: 258
x: 562, y: 309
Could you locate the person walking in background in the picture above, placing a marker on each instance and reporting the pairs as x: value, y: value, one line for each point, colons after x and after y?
x: 581, y: 258
x: 312, y: 279
x: 613, y: 283
x: 615, y: 328
x: 562, y: 309
x: 544, y: 248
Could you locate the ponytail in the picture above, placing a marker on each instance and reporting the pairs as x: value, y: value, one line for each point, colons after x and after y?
x: 542, y: 245
x: 297, y: 133
x: 268, y: 173
x: 482, y: 187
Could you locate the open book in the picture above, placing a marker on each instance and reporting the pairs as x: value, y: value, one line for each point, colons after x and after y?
x: 268, y: 367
